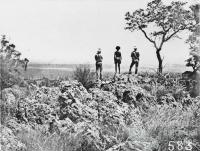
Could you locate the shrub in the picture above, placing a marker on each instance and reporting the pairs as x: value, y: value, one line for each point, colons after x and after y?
x: 9, y: 75
x: 11, y: 66
x: 84, y: 75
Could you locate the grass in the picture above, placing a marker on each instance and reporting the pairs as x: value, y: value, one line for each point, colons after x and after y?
x: 38, y: 73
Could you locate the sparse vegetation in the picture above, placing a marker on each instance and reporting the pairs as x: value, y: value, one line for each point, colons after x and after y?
x: 83, y: 74
x: 143, y: 112
x: 10, y: 75
x: 52, y: 115
x: 101, y: 120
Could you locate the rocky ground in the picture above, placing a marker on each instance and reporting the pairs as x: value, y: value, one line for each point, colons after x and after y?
x: 127, y: 113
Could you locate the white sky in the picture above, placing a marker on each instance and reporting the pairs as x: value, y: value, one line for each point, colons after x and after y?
x: 70, y: 31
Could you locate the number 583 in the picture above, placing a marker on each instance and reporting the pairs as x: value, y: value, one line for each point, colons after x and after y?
x: 179, y: 145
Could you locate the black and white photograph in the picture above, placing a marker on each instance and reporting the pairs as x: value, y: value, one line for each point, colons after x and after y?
x: 100, y: 75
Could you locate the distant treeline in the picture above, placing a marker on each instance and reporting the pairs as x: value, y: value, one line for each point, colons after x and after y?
x: 46, y: 65
x: 106, y: 67
x: 43, y: 65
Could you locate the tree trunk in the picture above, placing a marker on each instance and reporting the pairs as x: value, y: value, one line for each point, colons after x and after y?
x: 160, y: 61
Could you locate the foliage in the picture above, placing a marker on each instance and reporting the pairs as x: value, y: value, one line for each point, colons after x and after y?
x: 194, y: 43
x: 9, y: 75
x: 9, y: 68
x: 165, y: 20
x: 193, y: 61
x: 83, y: 74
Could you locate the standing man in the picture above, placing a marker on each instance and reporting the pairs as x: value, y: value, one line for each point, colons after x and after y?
x: 135, y: 55
x: 25, y: 64
x: 99, y: 68
x: 117, y: 59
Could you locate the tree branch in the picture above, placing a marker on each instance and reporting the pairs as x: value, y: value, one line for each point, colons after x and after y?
x: 163, y: 40
x: 169, y: 37
x: 175, y: 32
x: 145, y: 34
x: 163, y: 28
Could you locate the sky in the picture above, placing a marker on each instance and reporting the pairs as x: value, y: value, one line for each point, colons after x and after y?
x: 71, y: 31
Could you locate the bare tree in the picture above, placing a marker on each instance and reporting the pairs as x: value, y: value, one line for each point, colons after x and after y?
x: 166, y: 21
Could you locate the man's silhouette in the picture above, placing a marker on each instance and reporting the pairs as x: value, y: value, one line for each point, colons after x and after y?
x: 25, y: 64
x: 117, y: 59
x: 99, y: 68
x: 135, y: 55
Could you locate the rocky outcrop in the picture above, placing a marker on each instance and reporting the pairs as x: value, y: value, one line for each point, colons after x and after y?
x: 110, y: 116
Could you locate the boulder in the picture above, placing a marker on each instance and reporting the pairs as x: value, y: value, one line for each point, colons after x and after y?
x: 74, y: 89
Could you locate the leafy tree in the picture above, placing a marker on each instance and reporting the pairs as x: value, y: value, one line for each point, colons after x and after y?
x: 10, y: 71
x: 9, y: 75
x: 166, y: 21
x: 194, y: 42
x: 194, y: 59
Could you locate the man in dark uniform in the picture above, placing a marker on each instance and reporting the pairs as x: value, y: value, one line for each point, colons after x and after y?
x: 135, y: 55
x: 99, y: 68
x: 117, y: 59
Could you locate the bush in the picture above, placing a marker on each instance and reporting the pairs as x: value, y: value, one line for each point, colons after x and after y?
x: 11, y: 66
x: 9, y: 75
x: 84, y: 75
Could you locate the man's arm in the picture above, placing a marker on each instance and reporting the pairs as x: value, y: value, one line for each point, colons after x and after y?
x: 138, y: 56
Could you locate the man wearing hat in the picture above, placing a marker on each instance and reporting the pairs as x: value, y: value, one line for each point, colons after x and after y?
x: 135, y: 55
x: 99, y: 68
x: 117, y: 59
